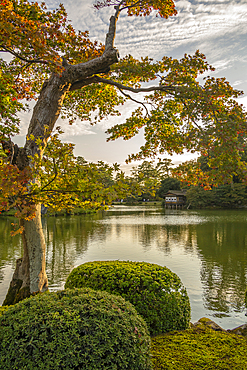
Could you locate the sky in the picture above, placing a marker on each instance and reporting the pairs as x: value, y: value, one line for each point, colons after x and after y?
x: 218, y: 28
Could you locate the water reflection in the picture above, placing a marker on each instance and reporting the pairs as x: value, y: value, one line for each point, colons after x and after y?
x: 10, y: 247
x: 222, y: 246
x: 67, y: 239
x: 207, y: 249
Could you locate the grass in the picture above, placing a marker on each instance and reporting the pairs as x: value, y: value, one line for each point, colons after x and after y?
x: 11, y: 212
x: 75, y: 211
x: 201, y: 348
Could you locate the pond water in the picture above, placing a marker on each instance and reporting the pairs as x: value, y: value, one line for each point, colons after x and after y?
x: 206, y: 248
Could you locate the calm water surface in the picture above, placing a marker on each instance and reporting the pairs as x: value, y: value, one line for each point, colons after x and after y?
x: 207, y: 249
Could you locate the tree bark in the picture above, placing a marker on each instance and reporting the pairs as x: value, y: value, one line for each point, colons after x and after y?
x: 30, y: 276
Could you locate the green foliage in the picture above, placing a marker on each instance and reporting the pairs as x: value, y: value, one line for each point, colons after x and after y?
x: 65, y: 182
x: 9, y: 104
x: 74, y: 329
x: 147, y: 177
x: 199, y: 349
x: 188, y: 115
x: 164, y: 9
x: 197, y: 197
x: 157, y: 293
x: 225, y: 196
x: 3, y: 309
x: 167, y: 184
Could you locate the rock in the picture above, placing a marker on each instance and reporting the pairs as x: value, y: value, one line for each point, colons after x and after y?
x: 240, y: 330
x: 204, y: 322
x: 207, y: 323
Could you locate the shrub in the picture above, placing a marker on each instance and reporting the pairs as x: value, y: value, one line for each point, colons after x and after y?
x: 3, y: 309
x: 74, y: 329
x: 157, y: 293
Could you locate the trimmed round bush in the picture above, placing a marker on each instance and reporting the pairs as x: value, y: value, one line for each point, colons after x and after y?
x: 156, y: 292
x: 74, y: 329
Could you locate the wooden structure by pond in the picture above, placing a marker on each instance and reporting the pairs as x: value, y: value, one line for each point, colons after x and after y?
x: 175, y: 199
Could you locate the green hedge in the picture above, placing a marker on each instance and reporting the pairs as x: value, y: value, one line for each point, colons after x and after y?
x: 157, y: 293
x: 3, y: 309
x: 74, y: 329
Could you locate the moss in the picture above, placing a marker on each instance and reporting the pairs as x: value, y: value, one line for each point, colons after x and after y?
x: 240, y: 330
x: 22, y: 294
x: 206, y: 349
x: 12, y: 292
x: 15, y: 294
x: 74, y: 329
x: 156, y: 292
x: 205, y: 320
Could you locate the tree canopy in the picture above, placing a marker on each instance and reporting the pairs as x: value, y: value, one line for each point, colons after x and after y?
x: 68, y: 75
x: 180, y: 113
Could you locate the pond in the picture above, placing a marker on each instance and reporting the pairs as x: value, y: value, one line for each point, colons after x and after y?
x: 206, y: 248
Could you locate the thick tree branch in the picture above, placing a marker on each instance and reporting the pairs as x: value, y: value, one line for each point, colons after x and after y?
x: 79, y: 72
x: 110, y: 36
x: 79, y: 84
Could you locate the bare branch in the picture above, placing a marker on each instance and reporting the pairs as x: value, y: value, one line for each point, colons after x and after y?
x: 136, y: 101
x: 132, y: 6
x: 53, y: 179
x: 168, y: 89
x: 80, y: 72
x: 30, y: 61
x: 192, y: 119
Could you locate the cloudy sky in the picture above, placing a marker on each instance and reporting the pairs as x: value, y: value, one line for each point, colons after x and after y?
x: 218, y: 28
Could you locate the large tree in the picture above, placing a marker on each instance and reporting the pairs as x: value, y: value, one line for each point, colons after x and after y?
x: 72, y: 77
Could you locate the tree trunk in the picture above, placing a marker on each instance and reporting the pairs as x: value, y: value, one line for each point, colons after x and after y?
x: 29, y: 276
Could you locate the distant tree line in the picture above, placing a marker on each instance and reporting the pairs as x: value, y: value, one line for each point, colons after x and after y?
x: 153, y: 181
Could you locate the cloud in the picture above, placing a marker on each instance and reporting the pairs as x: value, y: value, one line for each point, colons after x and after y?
x: 198, y: 22
x: 77, y: 128
x: 217, y: 27
x: 239, y: 82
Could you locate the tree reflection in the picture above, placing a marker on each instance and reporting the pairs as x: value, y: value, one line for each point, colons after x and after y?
x: 10, y: 247
x: 218, y: 239
x: 67, y: 240
x: 222, y: 247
